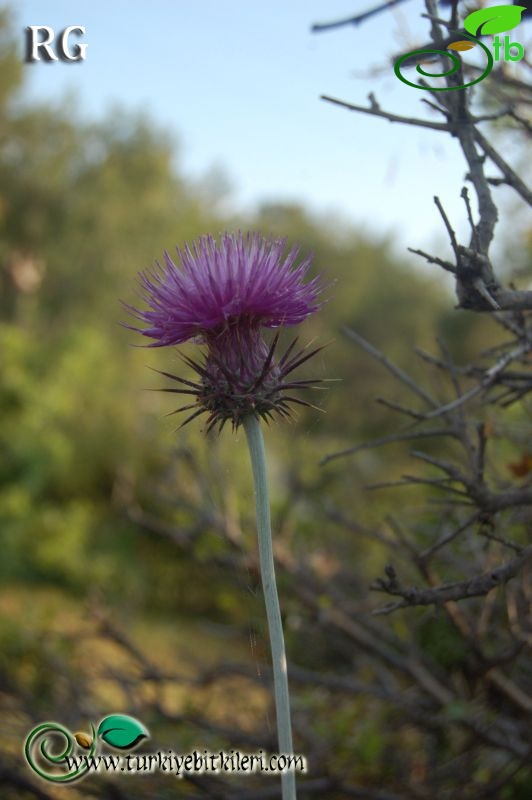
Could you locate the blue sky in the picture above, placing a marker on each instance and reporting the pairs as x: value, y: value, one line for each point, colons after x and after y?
x: 238, y: 82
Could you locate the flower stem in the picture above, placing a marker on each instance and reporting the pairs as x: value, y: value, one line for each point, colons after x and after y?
x: 269, y: 586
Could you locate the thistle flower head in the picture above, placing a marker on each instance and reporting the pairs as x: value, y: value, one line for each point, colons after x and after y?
x: 236, y: 281
x: 222, y: 294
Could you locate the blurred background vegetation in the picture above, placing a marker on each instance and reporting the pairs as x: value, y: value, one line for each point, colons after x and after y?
x: 95, y: 481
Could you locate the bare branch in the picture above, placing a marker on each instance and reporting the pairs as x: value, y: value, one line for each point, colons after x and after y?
x: 376, y: 111
x: 395, y: 370
x: 320, y: 27
x: 473, y: 587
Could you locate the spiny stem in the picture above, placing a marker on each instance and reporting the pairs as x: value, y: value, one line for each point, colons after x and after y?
x: 273, y: 612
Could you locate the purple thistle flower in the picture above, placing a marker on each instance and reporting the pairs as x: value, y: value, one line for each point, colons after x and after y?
x: 221, y: 284
x: 222, y: 294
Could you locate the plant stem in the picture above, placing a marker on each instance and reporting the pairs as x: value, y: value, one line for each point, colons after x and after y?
x: 269, y: 586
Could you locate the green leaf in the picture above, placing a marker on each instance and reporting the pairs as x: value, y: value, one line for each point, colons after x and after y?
x: 496, y: 19
x: 456, y: 710
x: 121, y: 732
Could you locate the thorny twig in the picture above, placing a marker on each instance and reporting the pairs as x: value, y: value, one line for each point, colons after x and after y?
x: 478, y: 287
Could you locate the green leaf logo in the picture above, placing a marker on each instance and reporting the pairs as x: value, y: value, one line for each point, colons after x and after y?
x: 496, y: 19
x: 121, y: 732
